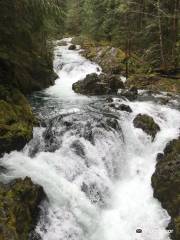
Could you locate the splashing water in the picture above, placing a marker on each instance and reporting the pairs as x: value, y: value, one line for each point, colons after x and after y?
x: 94, y: 166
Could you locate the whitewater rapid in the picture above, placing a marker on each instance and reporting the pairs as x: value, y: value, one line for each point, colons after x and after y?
x: 94, y: 166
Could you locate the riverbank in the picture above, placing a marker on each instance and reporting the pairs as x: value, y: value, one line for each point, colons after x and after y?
x: 113, y: 61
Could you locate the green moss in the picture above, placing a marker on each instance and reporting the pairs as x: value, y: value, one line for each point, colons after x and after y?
x: 19, y: 202
x: 166, y: 184
x: 7, y: 114
x: 177, y: 227
x: 16, y: 120
x: 147, y: 124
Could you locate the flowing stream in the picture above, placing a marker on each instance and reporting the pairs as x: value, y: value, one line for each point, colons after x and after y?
x: 94, y: 166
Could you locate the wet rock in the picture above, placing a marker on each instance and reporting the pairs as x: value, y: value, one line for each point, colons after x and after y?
x: 101, y: 84
x: 92, y: 192
x: 2, y: 169
x: 126, y: 108
x: 91, y: 85
x: 147, y: 124
x: 113, y: 123
x: 34, y: 236
x: 72, y: 47
x: 160, y: 157
x: 131, y: 93
x: 78, y: 148
x: 164, y: 101
x: 97, y: 192
x: 121, y: 107
x: 139, y: 230
x: 109, y: 99
x: 85, y: 125
x: 114, y: 82
x: 19, y: 208
x: 166, y: 184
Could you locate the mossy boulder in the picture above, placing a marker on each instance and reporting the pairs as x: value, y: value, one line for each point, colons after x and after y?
x: 16, y: 120
x: 94, y: 84
x: 19, y: 208
x: 147, y: 124
x: 91, y: 85
x: 166, y: 184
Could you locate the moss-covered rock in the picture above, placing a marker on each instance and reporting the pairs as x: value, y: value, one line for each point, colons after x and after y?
x: 19, y: 208
x: 101, y: 84
x: 147, y: 124
x: 16, y: 120
x: 166, y: 184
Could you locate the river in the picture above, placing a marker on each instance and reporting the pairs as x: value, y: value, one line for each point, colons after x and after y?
x: 94, y: 166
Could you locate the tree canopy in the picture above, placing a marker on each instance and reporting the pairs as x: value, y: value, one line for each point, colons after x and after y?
x: 148, y: 27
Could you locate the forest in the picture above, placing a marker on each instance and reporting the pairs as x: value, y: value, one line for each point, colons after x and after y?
x: 148, y: 28
x: 89, y: 119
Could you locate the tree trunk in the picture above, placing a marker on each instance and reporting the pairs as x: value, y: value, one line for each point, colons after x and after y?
x: 175, y: 32
x: 163, y: 62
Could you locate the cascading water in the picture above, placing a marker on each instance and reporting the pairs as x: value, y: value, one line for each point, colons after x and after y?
x: 94, y: 166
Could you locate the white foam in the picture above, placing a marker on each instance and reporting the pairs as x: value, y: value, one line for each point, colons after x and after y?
x: 73, y: 67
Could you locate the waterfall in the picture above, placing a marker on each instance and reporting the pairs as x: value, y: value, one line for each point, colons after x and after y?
x: 94, y: 165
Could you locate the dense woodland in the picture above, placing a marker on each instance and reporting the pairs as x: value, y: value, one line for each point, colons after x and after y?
x: 149, y: 28
x: 26, y: 27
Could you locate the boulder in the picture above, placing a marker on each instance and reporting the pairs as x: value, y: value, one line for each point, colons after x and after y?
x: 34, y: 236
x: 147, y: 124
x: 131, y: 93
x: 19, y: 208
x: 91, y: 85
x: 109, y: 100
x: 126, y: 108
x: 121, y: 107
x: 166, y: 184
x: 72, y: 47
x: 139, y: 230
x: 101, y: 84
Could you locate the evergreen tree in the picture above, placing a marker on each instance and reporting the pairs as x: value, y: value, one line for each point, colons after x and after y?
x: 149, y: 28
